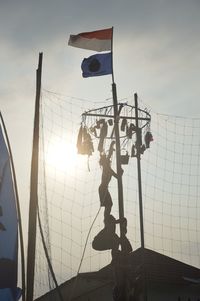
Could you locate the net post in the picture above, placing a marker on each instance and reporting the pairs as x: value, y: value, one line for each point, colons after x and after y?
x: 33, y: 205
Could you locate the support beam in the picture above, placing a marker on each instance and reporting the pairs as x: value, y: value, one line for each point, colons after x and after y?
x: 112, y: 116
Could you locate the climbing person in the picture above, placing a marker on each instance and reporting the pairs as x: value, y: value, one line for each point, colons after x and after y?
x: 103, y: 133
x: 107, y: 239
x: 107, y: 173
x: 121, y: 267
x: 126, y: 247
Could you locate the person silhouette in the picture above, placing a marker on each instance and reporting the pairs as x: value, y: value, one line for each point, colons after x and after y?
x: 107, y: 239
x: 107, y: 174
x: 121, y: 267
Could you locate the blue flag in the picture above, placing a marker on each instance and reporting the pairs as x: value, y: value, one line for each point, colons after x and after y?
x: 8, y: 229
x: 96, y: 65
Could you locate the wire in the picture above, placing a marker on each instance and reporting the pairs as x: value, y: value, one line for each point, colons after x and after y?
x: 82, y: 257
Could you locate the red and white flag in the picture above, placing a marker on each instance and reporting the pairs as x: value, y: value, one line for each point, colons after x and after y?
x: 99, y: 40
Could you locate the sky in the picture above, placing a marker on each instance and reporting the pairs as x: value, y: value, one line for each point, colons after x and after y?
x: 156, y: 54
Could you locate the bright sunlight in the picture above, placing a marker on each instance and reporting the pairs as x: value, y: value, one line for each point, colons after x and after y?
x: 62, y: 155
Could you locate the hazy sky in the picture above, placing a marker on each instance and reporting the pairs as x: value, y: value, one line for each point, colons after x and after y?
x: 156, y: 54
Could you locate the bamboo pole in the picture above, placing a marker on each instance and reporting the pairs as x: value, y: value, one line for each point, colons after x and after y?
x: 118, y: 156
x: 139, y: 172
x: 117, y: 138
x: 33, y: 205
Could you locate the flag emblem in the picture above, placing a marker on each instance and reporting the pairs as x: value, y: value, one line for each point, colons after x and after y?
x: 97, y: 65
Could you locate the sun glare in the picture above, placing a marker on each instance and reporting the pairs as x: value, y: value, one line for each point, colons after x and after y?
x: 62, y: 155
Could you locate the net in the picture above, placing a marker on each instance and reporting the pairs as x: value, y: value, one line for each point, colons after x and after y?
x: 69, y: 204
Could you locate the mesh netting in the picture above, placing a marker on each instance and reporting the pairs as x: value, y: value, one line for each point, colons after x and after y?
x: 69, y: 200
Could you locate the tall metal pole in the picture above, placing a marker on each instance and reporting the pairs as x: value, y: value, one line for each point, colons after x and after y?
x: 118, y: 154
x: 138, y: 138
x: 33, y: 205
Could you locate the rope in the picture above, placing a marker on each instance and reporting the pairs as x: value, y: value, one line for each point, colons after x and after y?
x: 82, y: 257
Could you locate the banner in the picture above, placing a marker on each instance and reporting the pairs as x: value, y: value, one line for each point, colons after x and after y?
x: 8, y: 228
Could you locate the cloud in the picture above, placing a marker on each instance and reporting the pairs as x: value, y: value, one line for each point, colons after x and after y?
x: 155, y: 45
x: 36, y: 22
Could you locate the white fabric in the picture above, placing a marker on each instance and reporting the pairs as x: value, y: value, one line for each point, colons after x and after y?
x: 91, y: 44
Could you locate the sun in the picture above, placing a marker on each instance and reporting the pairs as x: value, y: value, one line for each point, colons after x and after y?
x: 62, y: 155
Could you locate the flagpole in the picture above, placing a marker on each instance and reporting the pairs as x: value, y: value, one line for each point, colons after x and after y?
x: 118, y: 148
x: 113, y: 80
x: 18, y: 209
x: 33, y: 206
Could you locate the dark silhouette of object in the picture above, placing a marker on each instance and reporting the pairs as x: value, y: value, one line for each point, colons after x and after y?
x: 79, y: 140
x: 148, y: 138
x: 130, y: 130
x: 124, y: 159
x: 123, y: 124
x: 133, y: 151
x: 107, y: 173
x: 107, y: 239
x: 94, y: 131
x: 123, y: 289
x: 121, y: 268
x: 103, y: 134
x: 110, y: 122
x: 126, y: 287
x: 126, y: 247
x: 138, y: 142
x: 84, y: 142
x: 142, y: 149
